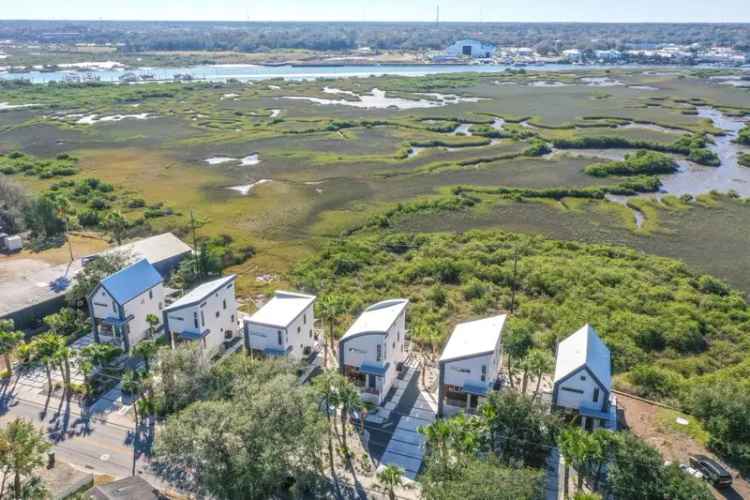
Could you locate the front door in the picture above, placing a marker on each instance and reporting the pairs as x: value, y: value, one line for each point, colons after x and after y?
x: 371, y: 382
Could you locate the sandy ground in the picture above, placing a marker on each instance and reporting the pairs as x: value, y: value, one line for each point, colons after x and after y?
x: 28, y: 260
x: 674, y: 446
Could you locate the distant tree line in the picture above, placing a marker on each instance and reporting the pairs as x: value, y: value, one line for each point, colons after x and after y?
x: 547, y: 38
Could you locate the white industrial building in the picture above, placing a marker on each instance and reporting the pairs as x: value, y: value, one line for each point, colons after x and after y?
x: 372, y: 350
x: 583, y: 379
x: 284, y: 326
x: 121, y: 302
x: 207, y: 314
x: 471, y: 48
x: 469, y: 365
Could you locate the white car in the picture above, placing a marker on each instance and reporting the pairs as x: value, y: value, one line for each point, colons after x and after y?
x: 693, y: 472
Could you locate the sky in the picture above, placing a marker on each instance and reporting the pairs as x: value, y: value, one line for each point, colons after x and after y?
x: 385, y: 10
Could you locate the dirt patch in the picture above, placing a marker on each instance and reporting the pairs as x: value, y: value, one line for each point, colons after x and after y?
x: 652, y: 424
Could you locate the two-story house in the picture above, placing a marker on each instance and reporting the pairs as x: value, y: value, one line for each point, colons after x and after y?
x: 206, y: 314
x: 284, y: 326
x: 120, y: 304
x: 373, y: 348
x: 469, y: 365
x: 583, y: 379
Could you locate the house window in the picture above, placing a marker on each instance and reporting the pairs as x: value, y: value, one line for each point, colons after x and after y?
x: 150, y: 294
x: 232, y: 318
x: 379, y: 355
x: 114, y: 307
x: 568, y: 389
x: 299, y: 329
x: 596, y: 395
x: 217, y: 314
x: 160, y: 306
x: 484, y: 373
x: 195, y: 319
x: 281, y: 340
x: 583, y: 377
x: 224, y: 303
x: 203, y: 319
x: 304, y: 319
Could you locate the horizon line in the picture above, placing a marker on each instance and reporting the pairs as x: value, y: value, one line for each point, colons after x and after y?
x: 354, y: 21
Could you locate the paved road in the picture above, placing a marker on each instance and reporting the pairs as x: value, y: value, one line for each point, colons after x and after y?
x: 89, y: 443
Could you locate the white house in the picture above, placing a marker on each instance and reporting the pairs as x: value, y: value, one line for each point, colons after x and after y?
x: 208, y: 314
x: 583, y: 379
x: 284, y: 326
x: 469, y: 365
x: 371, y: 351
x: 121, y: 302
x: 471, y: 48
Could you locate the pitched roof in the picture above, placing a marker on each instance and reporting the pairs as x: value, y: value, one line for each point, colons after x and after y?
x: 130, y: 488
x: 584, y: 348
x: 377, y: 318
x: 282, y: 309
x: 474, y: 338
x: 200, y: 292
x: 130, y: 282
x: 155, y: 248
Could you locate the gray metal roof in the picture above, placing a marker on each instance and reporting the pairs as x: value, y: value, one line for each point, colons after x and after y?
x: 584, y: 348
x: 200, y: 292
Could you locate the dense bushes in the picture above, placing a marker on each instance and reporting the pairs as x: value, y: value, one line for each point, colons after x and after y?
x: 744, y: 159
x: 640, y: 163
x: 20, y: 163
x: 744, y: 136
x: 537, y: 147
x: 647, y: 308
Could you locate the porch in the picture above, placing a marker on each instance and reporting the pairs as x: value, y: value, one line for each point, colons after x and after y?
x: 369, y: 378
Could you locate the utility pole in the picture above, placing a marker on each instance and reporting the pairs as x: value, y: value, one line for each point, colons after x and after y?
x: 195, y: 242
x: 513, y: 283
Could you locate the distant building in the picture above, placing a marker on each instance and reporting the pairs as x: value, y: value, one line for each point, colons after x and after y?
x: 372, y: 350
x: 207, y: 314
x: 471, y: 48
x: 121, y: 302
x: 469, y: 365
x: 608, y: 55
x: 583, y: 379
x: 573, y: 55
x: 284, y: 326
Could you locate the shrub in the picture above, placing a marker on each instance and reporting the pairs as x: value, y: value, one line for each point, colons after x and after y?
x: 537, y: 148
x: 89, y: 218
x: 136, y: 203
x: 641, y: 163
x: 654, y: 382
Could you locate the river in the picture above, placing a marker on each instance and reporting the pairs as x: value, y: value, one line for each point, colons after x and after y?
x: 246, y: 72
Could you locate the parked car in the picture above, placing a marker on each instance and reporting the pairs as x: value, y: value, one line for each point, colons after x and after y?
x: 691, y: 471
x: 711, y: 470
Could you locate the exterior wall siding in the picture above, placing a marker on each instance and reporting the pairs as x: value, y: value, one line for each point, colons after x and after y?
x: 581, y: 385
x: 216, y: 319
x: 298, y: 335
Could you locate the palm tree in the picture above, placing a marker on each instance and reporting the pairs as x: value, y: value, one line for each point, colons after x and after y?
x: 349, y: 400
x: 153, y: 321
x: 63, y: 206
x: 579, y: 448
x: 46, y: 347
x: 9, y: 340
x: 539, y: 362
x: 325, y: 386
x: 330, y: 307
x: 390, y: 477
x: 117, y: 225
x: 147, y: 349
x: 23, y: 449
